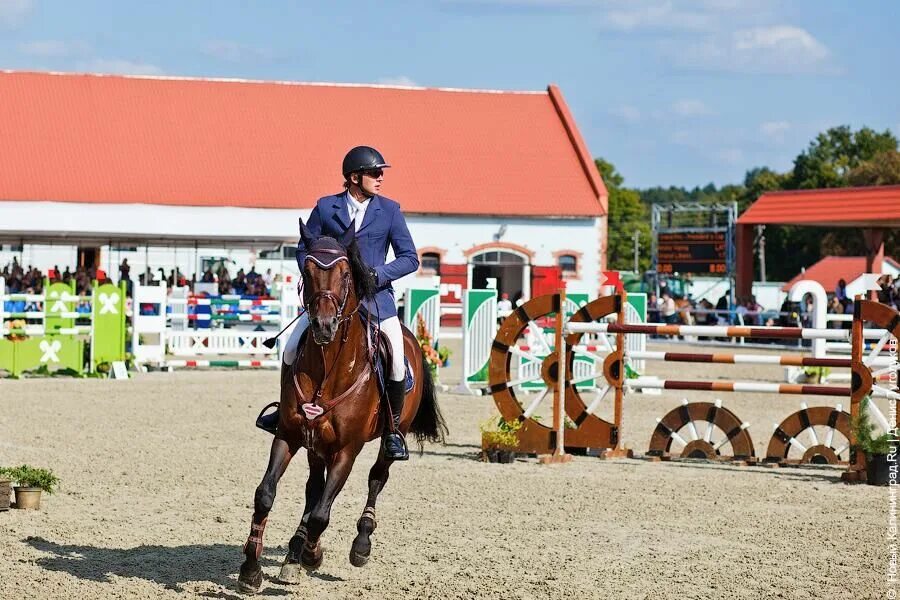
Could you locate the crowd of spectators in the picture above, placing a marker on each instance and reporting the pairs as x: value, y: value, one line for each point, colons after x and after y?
x: 30, y: 280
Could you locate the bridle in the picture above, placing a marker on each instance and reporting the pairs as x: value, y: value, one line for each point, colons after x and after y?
x: 339, y: 305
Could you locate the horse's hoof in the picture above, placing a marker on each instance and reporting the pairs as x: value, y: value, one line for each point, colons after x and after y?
x: 360, y: 550
x: 311, y: 563
x: 248, y: 583
x: 357, y: 559
x: 291, y: 573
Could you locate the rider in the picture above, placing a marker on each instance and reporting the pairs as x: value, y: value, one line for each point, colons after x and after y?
x: 379, y: 223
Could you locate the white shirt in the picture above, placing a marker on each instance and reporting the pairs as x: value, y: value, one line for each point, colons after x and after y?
x: 357, y: 210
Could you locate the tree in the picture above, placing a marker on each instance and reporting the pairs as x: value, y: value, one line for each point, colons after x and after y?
x: 834, y: 153
x: 627, y: 214
x: 882, y: 169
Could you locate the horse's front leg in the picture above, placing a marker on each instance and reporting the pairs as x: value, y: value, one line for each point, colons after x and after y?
x: 362, y: 544
x: 338, y: 471
x: 250, y: 577
x: 315, y: 485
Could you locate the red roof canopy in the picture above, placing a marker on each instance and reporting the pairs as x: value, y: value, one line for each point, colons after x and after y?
x: 831, y: 269
x: 836, y: 207
x: 113, y: 139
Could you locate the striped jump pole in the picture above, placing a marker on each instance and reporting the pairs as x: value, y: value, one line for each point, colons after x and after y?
x: 730, y: 358
x: 739, y: 386
x: 791, y: 333
x: 230, y: 364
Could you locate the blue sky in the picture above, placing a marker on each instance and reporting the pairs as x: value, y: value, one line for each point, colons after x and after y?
x: 672, y: 92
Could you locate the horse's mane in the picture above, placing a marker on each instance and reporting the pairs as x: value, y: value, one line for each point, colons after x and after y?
x: 363, y: 284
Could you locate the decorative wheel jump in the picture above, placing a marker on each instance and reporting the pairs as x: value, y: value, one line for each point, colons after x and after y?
x: 701, y: 430
x: 543, y: 368
x: 816, y: 427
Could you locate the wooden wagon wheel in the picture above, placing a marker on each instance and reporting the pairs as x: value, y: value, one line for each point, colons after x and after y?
x: 589, y: 431
x: 820, y: 423
x: 721, y: 431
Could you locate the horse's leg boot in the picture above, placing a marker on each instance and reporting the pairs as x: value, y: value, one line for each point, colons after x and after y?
x: 392, y: 438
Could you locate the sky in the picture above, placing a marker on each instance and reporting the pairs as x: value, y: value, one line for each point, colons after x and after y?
x: 672, y: 92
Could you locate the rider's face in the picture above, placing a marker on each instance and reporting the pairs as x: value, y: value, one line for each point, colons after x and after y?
x: 370, y: 181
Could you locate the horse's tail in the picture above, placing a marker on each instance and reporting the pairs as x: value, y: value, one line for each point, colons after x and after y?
x: 428, y: 424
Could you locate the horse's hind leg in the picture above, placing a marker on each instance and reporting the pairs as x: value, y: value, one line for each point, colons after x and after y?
x: 250, y: 577
x: 315, y: 485
x: 362, y: 544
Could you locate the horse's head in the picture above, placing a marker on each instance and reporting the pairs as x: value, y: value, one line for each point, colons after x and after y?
x: 334, y: 280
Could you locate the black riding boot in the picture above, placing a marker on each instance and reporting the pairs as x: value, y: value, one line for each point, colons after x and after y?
x: 269, y: 422
x: 393, y: 440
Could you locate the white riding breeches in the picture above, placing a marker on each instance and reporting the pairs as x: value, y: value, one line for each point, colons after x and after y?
x: 391, y: 328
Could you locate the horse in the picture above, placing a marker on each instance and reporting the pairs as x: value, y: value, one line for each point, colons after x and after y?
x: 330, y: 405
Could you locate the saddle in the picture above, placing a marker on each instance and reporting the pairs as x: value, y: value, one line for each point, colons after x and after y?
x: 380, y: 354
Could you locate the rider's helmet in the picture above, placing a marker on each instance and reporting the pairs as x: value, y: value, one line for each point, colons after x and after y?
x: 363, y: 158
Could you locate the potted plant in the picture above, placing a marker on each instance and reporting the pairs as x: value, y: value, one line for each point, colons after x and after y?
x: 875, y: 449
x: 29, y: 483
x: 499, y: 440
x: 444, y: 353
x: 816, y: 374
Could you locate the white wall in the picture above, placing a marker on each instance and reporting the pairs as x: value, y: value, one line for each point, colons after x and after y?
x: 455, y: 235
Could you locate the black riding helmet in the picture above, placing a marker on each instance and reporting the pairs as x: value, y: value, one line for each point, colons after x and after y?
x: 363, y: 158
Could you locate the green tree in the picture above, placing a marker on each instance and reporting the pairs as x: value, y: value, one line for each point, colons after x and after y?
x: 834, y: 153
x: 627, y: 214
x: 882, y: 169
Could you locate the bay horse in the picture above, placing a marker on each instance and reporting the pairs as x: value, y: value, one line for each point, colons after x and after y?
x: 330, y: 405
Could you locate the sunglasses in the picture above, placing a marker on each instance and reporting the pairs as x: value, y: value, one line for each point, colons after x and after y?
x: 374, y: 173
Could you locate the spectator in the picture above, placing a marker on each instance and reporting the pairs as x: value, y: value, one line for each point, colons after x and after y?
x: 667, y: 309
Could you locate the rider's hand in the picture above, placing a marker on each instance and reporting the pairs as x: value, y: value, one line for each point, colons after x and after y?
x: 374, y: 275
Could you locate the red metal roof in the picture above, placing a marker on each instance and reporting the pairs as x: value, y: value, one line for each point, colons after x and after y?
x: 836, y: 207
x: 114, y: 139
x: 833, y: 268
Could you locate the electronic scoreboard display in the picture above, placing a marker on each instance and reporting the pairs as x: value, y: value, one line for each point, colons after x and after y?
x: 697, y: 253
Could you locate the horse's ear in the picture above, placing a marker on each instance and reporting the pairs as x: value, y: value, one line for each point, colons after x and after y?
x: 305, y: 234
x: 348, y: 237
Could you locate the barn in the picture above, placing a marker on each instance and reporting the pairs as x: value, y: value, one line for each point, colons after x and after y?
x: 185, y: 172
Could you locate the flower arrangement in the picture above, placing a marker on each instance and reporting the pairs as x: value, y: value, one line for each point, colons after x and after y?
x: 426, y: 343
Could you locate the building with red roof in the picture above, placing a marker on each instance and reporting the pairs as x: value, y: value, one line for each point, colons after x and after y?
x: 851, y: 269
x: 494, y: 183
x: 873, y: 210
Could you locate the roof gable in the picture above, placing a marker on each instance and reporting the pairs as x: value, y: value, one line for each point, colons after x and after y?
x: 831, y: 269
x: 114, y: 139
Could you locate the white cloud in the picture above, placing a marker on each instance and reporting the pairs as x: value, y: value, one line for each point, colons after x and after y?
x: 657, y: 15
x: 118, y: 66
x: 775, y: 130
x: 629, y: 114
x: 236, y: 52
x: 401, y: 80
x: 690, y: 108
x: 54, y: 48
x: 14, y: 12
x: 776, y: 49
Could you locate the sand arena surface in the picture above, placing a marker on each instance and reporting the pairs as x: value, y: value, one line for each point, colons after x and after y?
x: 158, y: 475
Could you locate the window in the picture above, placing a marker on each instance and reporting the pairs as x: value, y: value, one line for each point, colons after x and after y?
x: 120, y: 248
x: 568, y: 264
x: 431, y: 263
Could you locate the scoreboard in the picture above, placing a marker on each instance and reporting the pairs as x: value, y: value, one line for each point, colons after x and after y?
x: 697, y: 253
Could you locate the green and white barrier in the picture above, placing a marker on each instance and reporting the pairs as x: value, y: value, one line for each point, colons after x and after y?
x: 52, y: 337
x: 427, y: 303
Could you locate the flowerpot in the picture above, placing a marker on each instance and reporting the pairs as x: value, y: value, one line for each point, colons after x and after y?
x: 877, y: 469
x: 5, y: 491
x: 28, y: 498
x: 495, y: 455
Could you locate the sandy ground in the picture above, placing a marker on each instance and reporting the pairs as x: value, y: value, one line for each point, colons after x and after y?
x: 158, y: 475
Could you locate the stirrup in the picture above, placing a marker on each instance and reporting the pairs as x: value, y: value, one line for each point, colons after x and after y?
x: 394, y: 446
x: 268, y: 422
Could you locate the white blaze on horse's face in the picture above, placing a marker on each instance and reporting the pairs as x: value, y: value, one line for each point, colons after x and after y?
x: 328, y: 289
